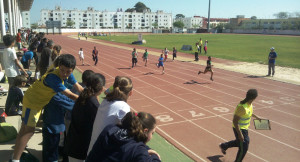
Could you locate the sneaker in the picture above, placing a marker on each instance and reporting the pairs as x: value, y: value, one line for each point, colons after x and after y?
x: 268, y: 75
x: 163, y: 72
x: 157, y: 65
x: 211, y: 79
x: 199, y: 72
x: 222, y: 149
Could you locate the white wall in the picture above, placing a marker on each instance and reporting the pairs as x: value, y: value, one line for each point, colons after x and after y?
x: 95, y: 30
x: 262, y: 31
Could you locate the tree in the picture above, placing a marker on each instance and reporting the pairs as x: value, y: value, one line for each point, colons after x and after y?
x: 138, y: 7
x: 70, y: 23
x: 178, y: 16
x: 178, y: 24
x: 282, y: 15
x: 155, y: 24
x: 34, y: 26
x: 253, y: 17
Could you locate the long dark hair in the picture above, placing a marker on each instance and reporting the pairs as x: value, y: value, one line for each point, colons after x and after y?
x: 94, y: 84
x: 136, y: 123
x: 251, y: 95
x: 122, y: 87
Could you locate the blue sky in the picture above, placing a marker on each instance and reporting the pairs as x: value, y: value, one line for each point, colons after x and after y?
x: 219, y: 8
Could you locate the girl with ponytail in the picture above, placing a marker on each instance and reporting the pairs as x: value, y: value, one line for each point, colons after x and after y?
x: 126, y: 141
x: 82, y: 118
x: 113, y: 108
x: 241, y: 122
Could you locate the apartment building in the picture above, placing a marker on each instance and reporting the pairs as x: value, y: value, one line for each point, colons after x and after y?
x: 192, y: 22
x: 94, y: 19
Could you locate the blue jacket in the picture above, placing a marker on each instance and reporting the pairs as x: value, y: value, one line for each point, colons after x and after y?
x: 114, y: 144
x: 54, y: 113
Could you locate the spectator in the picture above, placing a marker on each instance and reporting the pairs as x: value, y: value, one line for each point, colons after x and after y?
x: 39, y: 94
x: 15, y: 96
x: 113, y: 108
x: 83, y: 116
x: 45, y: 57
x: 10, y: 60
x: 126, y: 141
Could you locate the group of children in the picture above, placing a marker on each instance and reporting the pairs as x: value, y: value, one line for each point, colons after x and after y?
x: 61, y: 97
x: 164, y: 56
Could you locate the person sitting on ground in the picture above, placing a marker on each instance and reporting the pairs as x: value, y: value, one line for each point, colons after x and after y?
x: 126, y: 141
x: 113, y: 108
x: 40, y: 93
x: 15, y: 96
x: 83, y: 115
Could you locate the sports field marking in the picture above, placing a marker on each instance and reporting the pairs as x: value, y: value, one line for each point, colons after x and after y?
x: 161, y: 96
x: 209, y: 111
x: 170, y: 137
x: 146, y: 105
x: 182, y: 94
x: 173, y: 102
x: 158, y: 53
x: 136, y: 99
x: 281, y: 111
x: 183, y: 117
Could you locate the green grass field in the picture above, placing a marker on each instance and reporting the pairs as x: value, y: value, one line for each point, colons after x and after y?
x: 248, y: 48
x: 166, y: 151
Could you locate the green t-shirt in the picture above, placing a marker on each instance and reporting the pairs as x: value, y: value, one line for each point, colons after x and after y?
x: 145, y: 55
x: 134, y: 54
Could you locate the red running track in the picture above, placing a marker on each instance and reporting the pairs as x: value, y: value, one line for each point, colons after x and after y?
x: 194, y: 113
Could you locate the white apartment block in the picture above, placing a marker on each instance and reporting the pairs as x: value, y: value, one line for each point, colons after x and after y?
x: 191, y: 22
x: 93, y: 19
x: 26, y: 19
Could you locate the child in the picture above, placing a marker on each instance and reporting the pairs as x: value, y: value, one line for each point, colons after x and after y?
x: 174, y: 53
x: 134, y: 57
x: 83, y: 116
x: 166, y: 52
x: 81, y: 56
x: 95, y: 55
x: 10, y: 60
x: 113, y: 108
x: 53, y: 125
x: 161, y: 63
x: 145, y: 57
x: 205, y: 46
x: 15, y: 97
x: 40, y: 93
x: 208, y: 68
x: 126, y: 141
x: 27, y: 57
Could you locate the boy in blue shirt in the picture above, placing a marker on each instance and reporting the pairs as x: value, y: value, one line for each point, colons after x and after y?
x: 54, y: 125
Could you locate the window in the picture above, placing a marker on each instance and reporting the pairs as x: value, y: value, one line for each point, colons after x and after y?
x: 55, y: 13
x: 26, y: 14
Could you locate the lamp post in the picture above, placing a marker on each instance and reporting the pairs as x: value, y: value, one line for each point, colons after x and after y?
x: 208, y: 16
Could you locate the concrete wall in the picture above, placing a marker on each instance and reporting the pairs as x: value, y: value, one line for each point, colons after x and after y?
x: 95, y: 30
x: 263, y: 31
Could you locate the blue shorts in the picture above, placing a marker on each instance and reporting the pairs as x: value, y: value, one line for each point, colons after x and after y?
x: 160, y: 64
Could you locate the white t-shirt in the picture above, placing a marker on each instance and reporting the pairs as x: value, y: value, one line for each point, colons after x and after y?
x: 166, y: 52
x: 9, y: 57
x: 108, y: 113
x: 81, y: 54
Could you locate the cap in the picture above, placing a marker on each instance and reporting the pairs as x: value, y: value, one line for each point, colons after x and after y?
x: 272, y: 48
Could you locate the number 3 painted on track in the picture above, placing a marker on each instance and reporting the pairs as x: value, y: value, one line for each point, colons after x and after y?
x: 164, y: 118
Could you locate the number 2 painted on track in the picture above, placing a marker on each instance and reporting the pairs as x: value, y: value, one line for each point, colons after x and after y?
x: 193, y: 113
x: 164, y: 118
